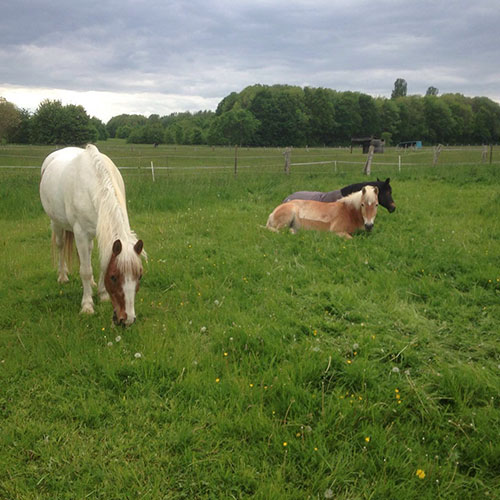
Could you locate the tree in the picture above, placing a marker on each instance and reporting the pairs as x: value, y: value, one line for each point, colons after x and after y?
x: 411, y: 119
x: 54, y: 123
x: 236, y: 127
x: 102, y: 133
x: 348, y: 117
x: 22, y: 133
x: 438, y: 119
x: 432, y: 91
x: 10, y: 119
x: 400, y: 88
x: 486, y: 127
x: 321, y: 116
x: 121, y: 120
x: 370, y: 120
x: 389, y: 121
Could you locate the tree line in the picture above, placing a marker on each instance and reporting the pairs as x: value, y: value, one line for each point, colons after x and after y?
x: 277, y: 115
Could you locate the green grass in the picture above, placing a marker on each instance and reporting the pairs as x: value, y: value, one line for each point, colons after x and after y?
x: 370, y: 358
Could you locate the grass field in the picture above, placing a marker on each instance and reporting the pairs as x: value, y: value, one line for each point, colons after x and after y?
x: 262, y: 365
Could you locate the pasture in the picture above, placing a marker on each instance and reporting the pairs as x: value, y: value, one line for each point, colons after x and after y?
x: 261, y: 365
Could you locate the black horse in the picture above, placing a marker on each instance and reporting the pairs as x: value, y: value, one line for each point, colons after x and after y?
x: 384, y: 193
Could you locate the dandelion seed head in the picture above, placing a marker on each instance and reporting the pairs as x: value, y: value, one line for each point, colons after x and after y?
x: 395, y: 369
x: 117, y: 338
x: 137, y: 355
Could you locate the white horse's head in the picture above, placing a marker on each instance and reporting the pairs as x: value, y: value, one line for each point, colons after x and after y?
x: 369, y: 204
x: 122, y: 280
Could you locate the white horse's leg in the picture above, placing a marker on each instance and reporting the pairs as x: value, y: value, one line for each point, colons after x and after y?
x: 93, y: 283
x: 84, y: 247
x: 58, y: 232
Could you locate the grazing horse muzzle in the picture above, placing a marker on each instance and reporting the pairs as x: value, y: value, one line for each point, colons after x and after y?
x: 123, y: 320
x: 391, y: 208
x: 369, y: 226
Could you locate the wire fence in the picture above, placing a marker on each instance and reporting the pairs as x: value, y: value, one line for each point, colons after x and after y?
x: 264, y: 160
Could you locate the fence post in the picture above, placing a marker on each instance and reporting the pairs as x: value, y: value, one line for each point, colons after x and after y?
x: 288, y: 152
x: 235, y: 160
x: 484, y: 153
x: 368, y: 165
x: 152, y: 171
x: 491, y: 153
x: 399, y: 162
x: 437, y: 151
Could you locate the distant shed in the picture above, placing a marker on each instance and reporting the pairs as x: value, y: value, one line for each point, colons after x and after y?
x: 366, y: 142
x: 410, y: 144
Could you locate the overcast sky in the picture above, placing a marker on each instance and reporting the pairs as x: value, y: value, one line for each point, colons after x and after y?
x: 163, y: 56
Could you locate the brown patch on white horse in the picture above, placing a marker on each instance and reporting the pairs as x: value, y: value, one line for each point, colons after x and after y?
x: 342, y: 217
x: 122, y: 288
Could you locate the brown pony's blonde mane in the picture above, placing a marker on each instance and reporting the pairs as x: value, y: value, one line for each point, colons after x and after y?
x: 355, y: 199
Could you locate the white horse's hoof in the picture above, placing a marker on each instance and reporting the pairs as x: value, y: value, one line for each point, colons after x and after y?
x: 104, y: 296
x: 87, y: 309
x: 62, y: 279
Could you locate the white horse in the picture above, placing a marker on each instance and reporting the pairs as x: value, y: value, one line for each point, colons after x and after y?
x: 83, y: 193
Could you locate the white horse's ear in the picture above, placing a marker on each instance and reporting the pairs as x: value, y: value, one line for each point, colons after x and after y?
x: 138, y: 247
x: 363, y: 190
x: 117, y: 247
x: 375, y: 189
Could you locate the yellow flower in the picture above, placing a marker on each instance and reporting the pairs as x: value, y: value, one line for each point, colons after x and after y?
x: 420, y: 473
x: 349, y: 361
x: 367, y: 439
x: 225, y: 354
x: 285, y: 444
x: 217, y: 380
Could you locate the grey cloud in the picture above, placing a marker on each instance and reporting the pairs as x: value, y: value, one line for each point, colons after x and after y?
x: 212, y: 48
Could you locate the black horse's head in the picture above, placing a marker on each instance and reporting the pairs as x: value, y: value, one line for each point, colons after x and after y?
x: 385, y: 194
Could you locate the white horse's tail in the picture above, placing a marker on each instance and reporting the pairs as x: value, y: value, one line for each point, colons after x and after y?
x: 67, y: 248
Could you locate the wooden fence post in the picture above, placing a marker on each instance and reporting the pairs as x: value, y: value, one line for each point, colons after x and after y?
x: 152, y: 171
x: 368, y: 165
x: 484, y: 153
x: 491, y: 154
x: 235, y: 159
x: 437, y: 151
x: 288, y: 152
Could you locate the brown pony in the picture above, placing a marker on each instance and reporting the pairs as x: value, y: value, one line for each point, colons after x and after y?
x: 342, y: 217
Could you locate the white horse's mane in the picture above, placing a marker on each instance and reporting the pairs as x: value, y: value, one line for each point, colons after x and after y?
x: 354, y: 199
x: 112, y: 218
